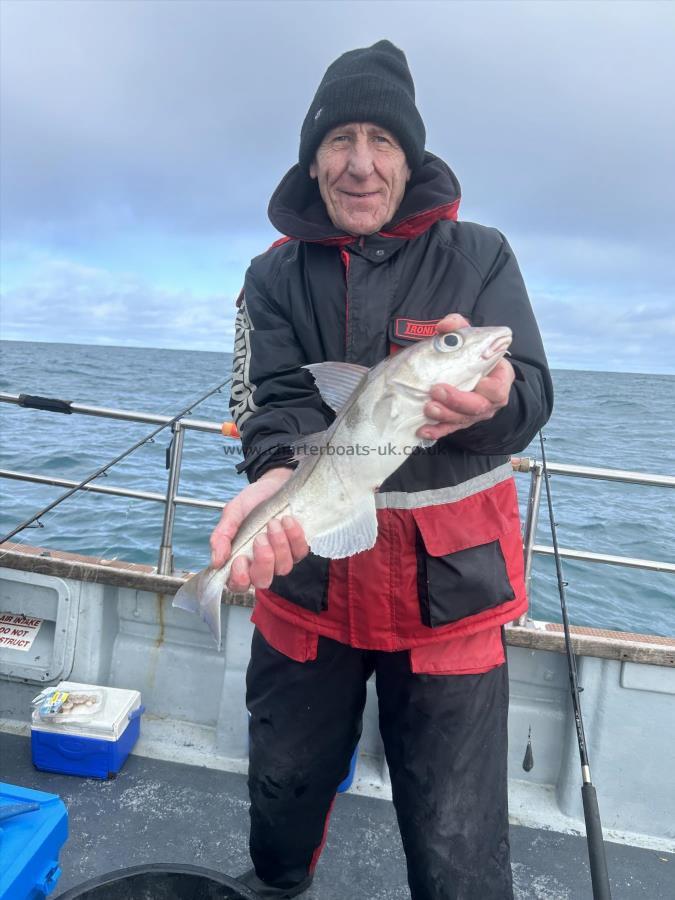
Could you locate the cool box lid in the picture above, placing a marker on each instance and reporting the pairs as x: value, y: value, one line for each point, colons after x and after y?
x: 119, y: 705
x: 33, y: 827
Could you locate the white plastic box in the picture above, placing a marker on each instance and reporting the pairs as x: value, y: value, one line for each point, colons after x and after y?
x: 96, y: 748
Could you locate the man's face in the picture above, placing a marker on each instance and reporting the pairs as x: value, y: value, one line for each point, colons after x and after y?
x: 362, y: 174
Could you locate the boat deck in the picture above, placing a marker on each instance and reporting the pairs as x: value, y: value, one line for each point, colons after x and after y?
x: 156, y: 811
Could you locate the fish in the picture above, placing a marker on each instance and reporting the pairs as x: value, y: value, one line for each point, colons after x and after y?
x: 332, y: 491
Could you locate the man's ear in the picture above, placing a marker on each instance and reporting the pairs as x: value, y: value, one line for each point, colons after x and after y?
x: 312, y: 170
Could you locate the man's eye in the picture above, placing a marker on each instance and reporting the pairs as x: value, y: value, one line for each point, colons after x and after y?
x: 382, y: 139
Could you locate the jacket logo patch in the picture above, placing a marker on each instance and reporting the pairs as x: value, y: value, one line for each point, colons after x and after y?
x: 415, y: 329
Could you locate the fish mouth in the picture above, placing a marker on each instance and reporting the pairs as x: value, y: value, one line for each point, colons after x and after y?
x: 498, y: 347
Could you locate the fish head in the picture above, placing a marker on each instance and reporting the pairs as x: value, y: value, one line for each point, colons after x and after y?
x: 460, y: 358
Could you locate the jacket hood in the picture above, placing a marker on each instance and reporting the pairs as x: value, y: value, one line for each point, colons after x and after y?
x: 298, y: 211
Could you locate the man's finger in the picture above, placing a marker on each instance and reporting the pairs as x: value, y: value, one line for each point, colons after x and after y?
x: 495, y: 392
x: 262, y: 567
x: 296, y: 538
x: 451, y: 322
x: 221, y: 541
x: 503, y: 373
x: 447, y: 401
x: 496, y: 386
x: 224, y: 532
x: 434, y: 432
x: 283, y: 558
x: 221, y: 547
x: 239, y: 581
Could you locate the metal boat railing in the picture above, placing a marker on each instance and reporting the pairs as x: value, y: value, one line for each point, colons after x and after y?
x: 171, y: 499
x: 536, y: 469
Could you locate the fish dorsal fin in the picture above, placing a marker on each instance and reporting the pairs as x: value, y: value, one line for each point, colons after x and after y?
x: 356, y: 531
x: 337, y: 381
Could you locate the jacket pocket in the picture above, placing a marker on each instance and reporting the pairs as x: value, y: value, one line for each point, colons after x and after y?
x: 461, y: 584
x: 306, y: 585
x: 461, y: 564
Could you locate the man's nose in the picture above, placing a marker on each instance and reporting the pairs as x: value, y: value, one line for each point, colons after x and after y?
x: 360, y: 159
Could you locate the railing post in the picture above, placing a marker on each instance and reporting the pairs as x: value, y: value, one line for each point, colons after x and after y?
x: 533, y: 502
x: 165, y: 563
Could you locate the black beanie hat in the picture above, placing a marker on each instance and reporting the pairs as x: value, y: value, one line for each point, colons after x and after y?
x: 372, y: 84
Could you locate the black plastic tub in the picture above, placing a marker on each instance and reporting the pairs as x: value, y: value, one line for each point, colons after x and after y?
x: 160, y: 882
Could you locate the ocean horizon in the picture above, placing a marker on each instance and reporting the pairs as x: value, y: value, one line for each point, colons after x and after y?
x: 563, y: 367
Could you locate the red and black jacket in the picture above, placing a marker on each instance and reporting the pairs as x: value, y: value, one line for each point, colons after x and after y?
x: 448, y: 559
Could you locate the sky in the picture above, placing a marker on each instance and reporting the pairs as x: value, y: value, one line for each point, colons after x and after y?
x: 140, y: 141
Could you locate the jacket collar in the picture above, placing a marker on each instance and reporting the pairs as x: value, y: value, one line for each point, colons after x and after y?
x: 297, y: 210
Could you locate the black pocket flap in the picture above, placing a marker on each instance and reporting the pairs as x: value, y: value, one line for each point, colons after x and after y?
x: 463, y: 583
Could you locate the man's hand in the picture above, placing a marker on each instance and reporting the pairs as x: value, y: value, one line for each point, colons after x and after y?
x: 273, y: 554
x: 453, y: 409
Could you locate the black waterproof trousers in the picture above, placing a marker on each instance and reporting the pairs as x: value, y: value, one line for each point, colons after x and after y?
x: 445, y: 739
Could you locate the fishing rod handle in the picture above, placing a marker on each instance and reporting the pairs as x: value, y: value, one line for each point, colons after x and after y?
x: 596, y: 844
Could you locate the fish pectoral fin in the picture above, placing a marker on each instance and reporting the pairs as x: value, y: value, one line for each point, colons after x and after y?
x: 410, y: 391
x: 337, y: 381
x: 356, y: 531
x: 394, y: 411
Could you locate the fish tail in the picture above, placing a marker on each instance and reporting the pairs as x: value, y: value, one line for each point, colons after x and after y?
x: 201, y: 594
x: 210, y: 602
x: 187, y: 596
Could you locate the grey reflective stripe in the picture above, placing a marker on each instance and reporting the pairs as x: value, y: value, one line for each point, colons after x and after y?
x: 402, y: 500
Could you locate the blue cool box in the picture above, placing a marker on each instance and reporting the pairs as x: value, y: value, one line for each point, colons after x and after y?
x: 33, y: 827
x: 344, y: 786
x: 96, y: 748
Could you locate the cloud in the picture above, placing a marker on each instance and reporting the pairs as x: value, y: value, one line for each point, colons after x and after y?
x: 614, y: 266
x: 119, y: 114
x: 66, y: 301
x: 146, y: 138
x: 583, y: 332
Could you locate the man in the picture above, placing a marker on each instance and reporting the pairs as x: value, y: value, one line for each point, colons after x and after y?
x: 373, y: 259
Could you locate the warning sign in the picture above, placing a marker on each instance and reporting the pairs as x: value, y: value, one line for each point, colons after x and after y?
x: 17, y: 632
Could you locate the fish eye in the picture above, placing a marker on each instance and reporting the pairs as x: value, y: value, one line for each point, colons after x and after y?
x: 449, y: 341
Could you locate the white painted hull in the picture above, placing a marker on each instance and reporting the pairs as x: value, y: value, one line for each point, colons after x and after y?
x: 128, y: 636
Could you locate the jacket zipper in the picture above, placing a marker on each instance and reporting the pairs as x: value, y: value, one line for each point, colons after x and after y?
x: 346, y: 260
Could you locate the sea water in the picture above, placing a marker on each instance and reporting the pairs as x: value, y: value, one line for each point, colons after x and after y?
x: 607, y: 419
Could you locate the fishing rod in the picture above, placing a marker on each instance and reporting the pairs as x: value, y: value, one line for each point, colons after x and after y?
x: 103, y: 469
x: 594, y: 838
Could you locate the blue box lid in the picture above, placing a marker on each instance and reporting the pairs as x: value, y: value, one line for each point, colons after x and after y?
x: 33, y: 828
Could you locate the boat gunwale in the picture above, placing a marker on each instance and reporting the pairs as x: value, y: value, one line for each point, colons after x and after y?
x: 650, y: 649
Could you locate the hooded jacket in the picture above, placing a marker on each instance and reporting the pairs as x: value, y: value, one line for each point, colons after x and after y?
x: 448, y: 558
